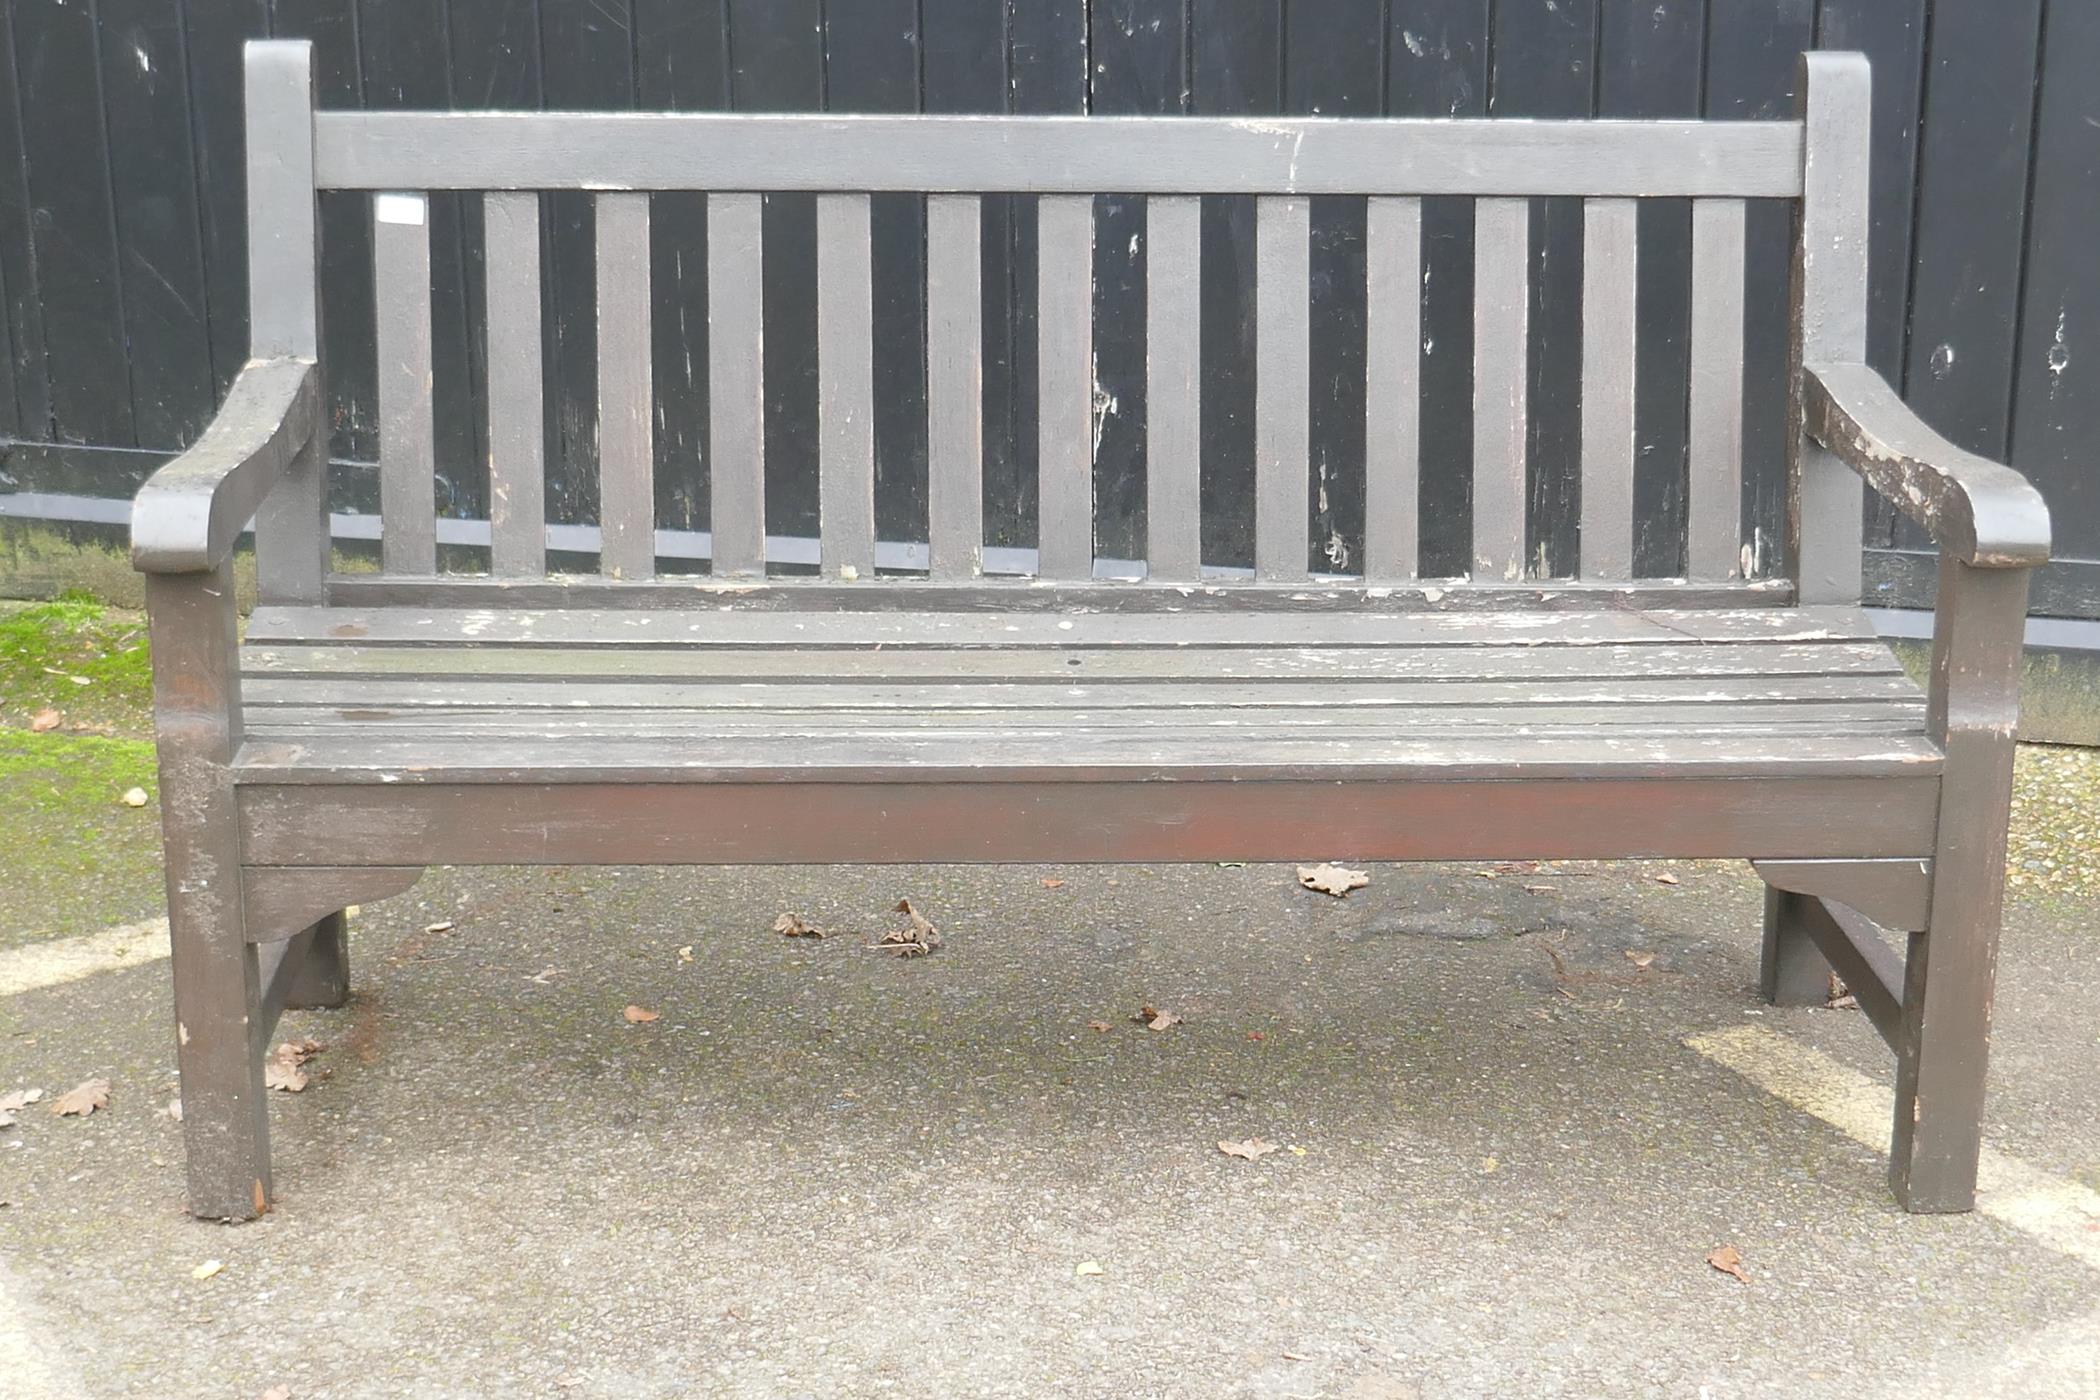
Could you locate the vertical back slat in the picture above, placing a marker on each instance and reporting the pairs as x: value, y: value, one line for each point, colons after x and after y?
x: 407, y: 439
x: 517, y: 403
x: 1173, y: 404
x: 1065, y: 393
x: 1501, y: 311
x: 1282, y: 387
x: 954, y: 386
x: 736, y: 385
x: 291, y: 528
x: 1609, y: 255
x: 626, y: 394
x: 1392, y: 388
x: 1834, y: 100
x: 845, y: 386
x: 1715, y: 544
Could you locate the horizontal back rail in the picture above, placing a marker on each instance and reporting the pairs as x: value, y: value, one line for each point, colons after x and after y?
x: 1054, y: 155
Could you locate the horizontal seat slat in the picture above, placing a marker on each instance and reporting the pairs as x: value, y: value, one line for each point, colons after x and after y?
x: 580, y: 627
x: 1053, y: 155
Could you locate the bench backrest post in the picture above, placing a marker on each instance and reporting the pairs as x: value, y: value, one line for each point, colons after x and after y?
x: 284, y: 319
x: 1825, y: 510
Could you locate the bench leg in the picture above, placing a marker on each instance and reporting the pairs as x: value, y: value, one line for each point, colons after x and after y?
x: 1793, y: 971
x: 323, y: 979
x: 218, y: 1029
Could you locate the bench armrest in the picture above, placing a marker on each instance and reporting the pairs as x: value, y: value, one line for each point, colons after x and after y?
x: 188, y: 514
x: 1984, y: 514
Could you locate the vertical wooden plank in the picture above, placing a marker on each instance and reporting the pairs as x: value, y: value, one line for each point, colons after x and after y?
x: 736, y: 422
x: 2057, y: 394
x: 212, y: 38
x: 954, y: 387
x: 1609, y: 287
x: 682, y: 57
x: 846, y: 385
x: 153, y: 177
x: 73, y: 229
x: 1651, y: 63
x: 964, y: 68
x: 1138, y: 66
x: 1047, y: 72
x: 1233, y: 71
x: 1065, y: 386
x: 1751, y: 51
x: 626, y: 393
x: 401, y: 279
x: 1544, y: 56
x: 1824, y: 512
x: 1392, y: 389
x: 1501, y: 303
x: 1173, y: 388
x: 1972, y: 206
x: 1715, y: 541
x: 776, y: 54
x: 516, y: 394
x: 291, y: 529
x: 1282, y: 386
x: 1437, y: 66
x: 871, y: 64
x: 24, y: 305
x: 1333, y: 66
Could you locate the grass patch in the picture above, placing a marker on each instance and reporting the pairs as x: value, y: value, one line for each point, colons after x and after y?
x: 75, y: 859
x: 80, y: 657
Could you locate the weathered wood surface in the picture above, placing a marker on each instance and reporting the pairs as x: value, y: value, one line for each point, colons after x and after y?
x: 189, y: 513
x: 626, y: 822
x: 1053, y: 155
x: 1981, y: 512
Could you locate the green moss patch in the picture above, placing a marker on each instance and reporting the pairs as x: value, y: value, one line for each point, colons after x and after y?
x: 79, y: 657
x: 76, y: 859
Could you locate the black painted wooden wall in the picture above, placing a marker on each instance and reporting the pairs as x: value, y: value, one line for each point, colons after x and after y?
x: 121, y: 240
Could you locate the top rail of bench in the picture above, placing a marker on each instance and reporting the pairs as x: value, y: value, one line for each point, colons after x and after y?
x: 1054, y: 155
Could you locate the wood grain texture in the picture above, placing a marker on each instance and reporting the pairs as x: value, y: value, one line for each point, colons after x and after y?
x: 1065, y: 393
x: 954, y: 386
x: 1501, y: 302
x: 1053, y: 155
x: 1173, y: 388
x: 516, y: 395
x: 407, y: 436
x: 736, y: 423
x: 845, y: 386
x: 1282, y: 388
x: 1715, y: 544
x: 1392, y: 389
x: 1610, y: 260
x: 626, y: 390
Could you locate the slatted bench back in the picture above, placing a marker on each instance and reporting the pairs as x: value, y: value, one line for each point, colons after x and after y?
x: 953, y: 162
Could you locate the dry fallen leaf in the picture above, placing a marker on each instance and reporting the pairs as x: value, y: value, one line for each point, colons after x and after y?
x: 82, y: 1099
x: 1051, y: 883
x: 914, y: 942
x: 1329, y: 878
x: 1253, y: 1149
x: 45, y: 720
x: 1098, y: 1026
x: 133, y: 797
x: 441, y: 926
x: 1089, y: 1269
x: 639, y: 1016
x: 1489, y: 1164
x: 685, y: 954
x: 174, y: 1109
x: 208, y: 1269
x: 1639, y: 959
x: 1156, y: 1019
x: 1666, y: 878
x: 1728, y: 1260
x: 795, y: 926
x: 19, y: 1100
x: 284, y: 1392
x: 1840, y: 998
x: 285, y: 1068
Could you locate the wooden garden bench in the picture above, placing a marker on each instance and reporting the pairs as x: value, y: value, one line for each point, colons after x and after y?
x: 375, y: 724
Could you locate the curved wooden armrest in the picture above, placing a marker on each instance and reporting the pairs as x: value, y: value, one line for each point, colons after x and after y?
x: 1983, y: 513
x: 188, y: 514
